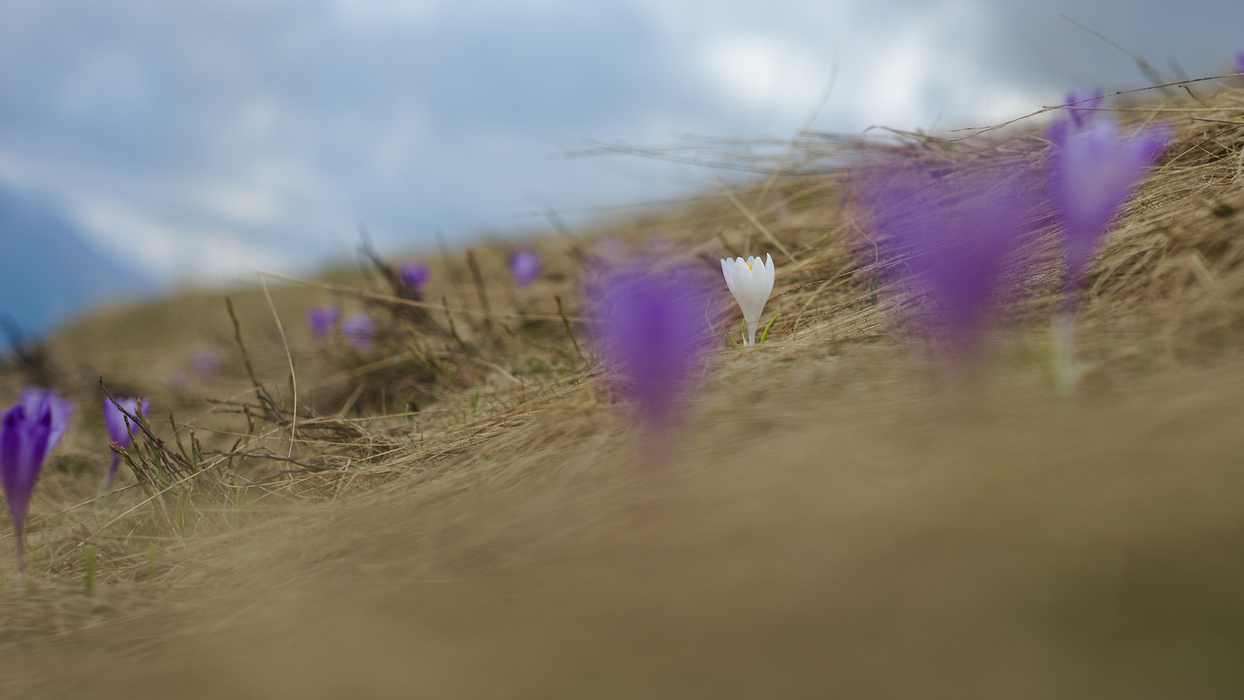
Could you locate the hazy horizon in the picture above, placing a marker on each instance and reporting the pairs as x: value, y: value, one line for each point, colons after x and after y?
x: 204, y: 140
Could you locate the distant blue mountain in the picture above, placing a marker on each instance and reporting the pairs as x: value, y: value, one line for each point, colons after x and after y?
x: 48, y: 272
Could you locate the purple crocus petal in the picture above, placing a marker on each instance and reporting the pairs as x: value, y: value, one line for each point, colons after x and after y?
x: 25, y: 440
x: 321, y: 320
x: 36, y: 401
x: 653, y: 327
x: 24, y: 445
x: 1239, y: 61
x: 1093, y: 171
x: 119, y: 428
x: 1081, y: 104
x: 358, y: 330
x: 950, y: 231
x: 525, y: 267
x: 414, y: 275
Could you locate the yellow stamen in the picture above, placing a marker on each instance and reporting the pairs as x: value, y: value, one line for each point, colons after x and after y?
x: 749, y: 266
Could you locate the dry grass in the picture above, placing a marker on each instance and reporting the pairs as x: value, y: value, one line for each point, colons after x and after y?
x: 835, y: 524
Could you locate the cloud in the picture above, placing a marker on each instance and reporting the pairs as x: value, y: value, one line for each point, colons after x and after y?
x: 185, y: 252
x: 220, y: 133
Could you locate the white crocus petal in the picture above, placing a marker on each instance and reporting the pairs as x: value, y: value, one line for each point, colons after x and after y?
x: 727, y: 269
x: 751, y: 283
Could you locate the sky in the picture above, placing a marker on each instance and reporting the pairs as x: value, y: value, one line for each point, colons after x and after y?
x: 201, y: 140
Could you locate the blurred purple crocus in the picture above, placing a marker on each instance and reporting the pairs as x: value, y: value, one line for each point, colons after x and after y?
x: 949, y: 230
x: 321, y: 320
x: 1239, y: 61
x: 120, y: 428
x: 38, y: 400
x: 414, y: 275
x: 206, y: 363
x: 1083, y: 103
x: 525, y: 267
x: 653, y: 326
x: 1093, y: 170
x: 29, y: 431
x: 359, y: 330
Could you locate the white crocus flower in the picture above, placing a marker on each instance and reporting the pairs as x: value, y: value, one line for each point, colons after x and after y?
x: 751, y: 283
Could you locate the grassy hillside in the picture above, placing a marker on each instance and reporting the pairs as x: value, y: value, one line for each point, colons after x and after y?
x: 462, y: 511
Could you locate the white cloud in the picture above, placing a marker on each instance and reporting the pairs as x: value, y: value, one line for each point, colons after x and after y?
x: 176, y: 251
x: 385, y: 12
x: 239, y: 203
x: 767, y: 74
x: 189, y: 227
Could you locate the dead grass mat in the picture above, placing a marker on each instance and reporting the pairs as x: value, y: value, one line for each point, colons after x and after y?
x: 814, y: 540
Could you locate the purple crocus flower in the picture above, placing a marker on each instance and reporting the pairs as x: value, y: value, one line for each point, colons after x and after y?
x: 414, y: 275
x: 525, y: 267
x: 949, y: 230
x: 206, y: 363
x: 1239, y: 61
x: 28, y: 433
x: 120, y: 427
x: 321, y: 320
x: 1093, y: 170
x: 1083, y: 103
x: 653, y: 326
x: 36, y: 401
x: 359, y: 330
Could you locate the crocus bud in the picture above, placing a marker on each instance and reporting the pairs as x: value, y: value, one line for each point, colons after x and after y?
x: 413, y: 276
x: 1093, y: 170
x: 321, y: 320
x: 207, y: 363
x: 120, y: 428
x: 38, y: 400
x: 751, y: 283
x: 1082, y: 103
x: 28, y: 432
x: 525, y: 267
x: 947, y: 232
x: 652, y: 323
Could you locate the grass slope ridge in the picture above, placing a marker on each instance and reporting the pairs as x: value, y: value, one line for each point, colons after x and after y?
x: 835, y: 524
